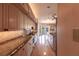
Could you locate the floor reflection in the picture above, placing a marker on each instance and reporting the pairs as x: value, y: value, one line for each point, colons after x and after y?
x: 42, y: 48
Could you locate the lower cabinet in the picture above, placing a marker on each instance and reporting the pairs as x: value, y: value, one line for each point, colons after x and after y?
x: 26, y: 50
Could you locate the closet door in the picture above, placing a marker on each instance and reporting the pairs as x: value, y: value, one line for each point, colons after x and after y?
x: 1, y: 17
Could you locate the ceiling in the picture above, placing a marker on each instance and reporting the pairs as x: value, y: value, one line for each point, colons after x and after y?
x: 43, y: 11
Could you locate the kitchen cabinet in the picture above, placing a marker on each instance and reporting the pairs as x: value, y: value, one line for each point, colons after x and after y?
x: 26, y: 50
x: 1, y: 17
x: 5, y: 16
x: 21, y: 20
x: 12, y: 18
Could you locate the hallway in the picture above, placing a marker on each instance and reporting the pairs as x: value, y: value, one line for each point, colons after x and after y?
x: 56, y: 27
x: 28, y: 29
x: 42, y: 47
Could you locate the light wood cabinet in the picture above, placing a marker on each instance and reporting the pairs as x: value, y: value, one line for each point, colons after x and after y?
x: 5, y: 16
x: 1, y: 17
x: 21, y: 20
x: 13, y: 18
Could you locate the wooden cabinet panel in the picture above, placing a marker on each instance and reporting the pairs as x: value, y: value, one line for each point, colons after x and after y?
x: 5, y: 16
x: 21, y: 20
x: 0, y: 17
x: 17, y: 19
x: 13, y: 17
x: 25, y: 21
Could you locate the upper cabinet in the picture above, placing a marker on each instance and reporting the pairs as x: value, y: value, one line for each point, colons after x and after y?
x: 5, y: 16
x: 21, y: 20
x: 29, y: 11
x: 15, y: 17
x: 25, y: 6
x: 1, y: 17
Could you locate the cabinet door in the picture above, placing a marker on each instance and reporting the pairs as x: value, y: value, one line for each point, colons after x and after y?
x: 13, y: 18
x: 25, y: 21
x: 21, y: 20
x: 1, y: 17
x: 5, y: 16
